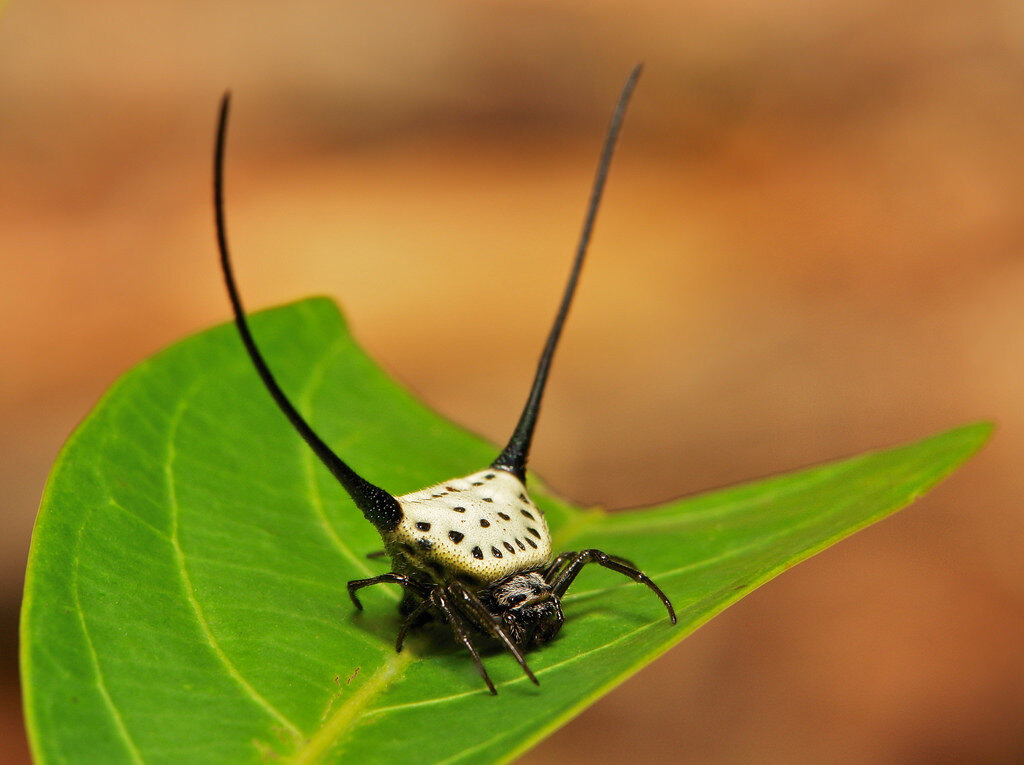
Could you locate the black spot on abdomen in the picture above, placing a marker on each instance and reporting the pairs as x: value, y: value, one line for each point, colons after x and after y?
x: 456, y: 536
x: 478, y: 553
x: 423, y: 526
x: 496, y: 552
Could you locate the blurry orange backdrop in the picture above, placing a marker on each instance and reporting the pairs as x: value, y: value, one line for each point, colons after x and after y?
x: 811, y: 245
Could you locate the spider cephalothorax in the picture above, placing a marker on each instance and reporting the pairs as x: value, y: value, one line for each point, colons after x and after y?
x: 475, y: 551
x: 527, y: 605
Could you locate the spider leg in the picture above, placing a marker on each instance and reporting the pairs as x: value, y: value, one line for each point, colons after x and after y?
x: 553, y: 567
x: 422, y: 606
x: 455, y: 621
x: 493, y: 625
x: 376, y: 554
x: 623, y: 561
x: 565, y: 578
x: 389, y: 578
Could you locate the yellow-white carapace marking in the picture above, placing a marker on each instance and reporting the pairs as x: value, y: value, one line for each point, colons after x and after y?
x: 483, y: 525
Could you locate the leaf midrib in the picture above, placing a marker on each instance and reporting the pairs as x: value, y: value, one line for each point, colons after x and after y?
x: 343, y: 720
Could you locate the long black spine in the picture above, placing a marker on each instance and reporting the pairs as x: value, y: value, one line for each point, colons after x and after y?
x: 379, y: 507
x: 513, y: 457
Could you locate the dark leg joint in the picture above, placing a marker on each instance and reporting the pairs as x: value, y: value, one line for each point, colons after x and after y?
x: 391, y: 578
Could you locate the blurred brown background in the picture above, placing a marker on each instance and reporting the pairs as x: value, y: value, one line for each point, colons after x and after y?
x: 811, y: 245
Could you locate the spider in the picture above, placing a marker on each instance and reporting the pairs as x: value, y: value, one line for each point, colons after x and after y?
x: 473, y: 551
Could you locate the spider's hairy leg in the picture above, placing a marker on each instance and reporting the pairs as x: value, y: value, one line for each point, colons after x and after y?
x: 409, y: 621
x: 492, y: 624
x: 556, y: 564
x: 563, y: 581
x: 444, y: 605
x: 552, y: 569
x: 390, y: 578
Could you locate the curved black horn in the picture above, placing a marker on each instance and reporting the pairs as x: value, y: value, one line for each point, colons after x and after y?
x: 513, y: 457
x: 379, y: 507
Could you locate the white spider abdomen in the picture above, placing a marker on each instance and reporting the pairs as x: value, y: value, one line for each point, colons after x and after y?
x: 483, y: 525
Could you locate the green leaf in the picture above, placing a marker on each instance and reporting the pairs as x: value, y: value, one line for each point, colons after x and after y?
x: 185, y: 599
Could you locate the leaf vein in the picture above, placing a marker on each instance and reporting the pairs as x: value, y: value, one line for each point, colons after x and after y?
x: 189, y: 588
x: 94, y: 659
x: 305, y: 399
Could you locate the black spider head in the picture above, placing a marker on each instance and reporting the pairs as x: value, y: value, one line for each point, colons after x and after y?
x: 530, y: 610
